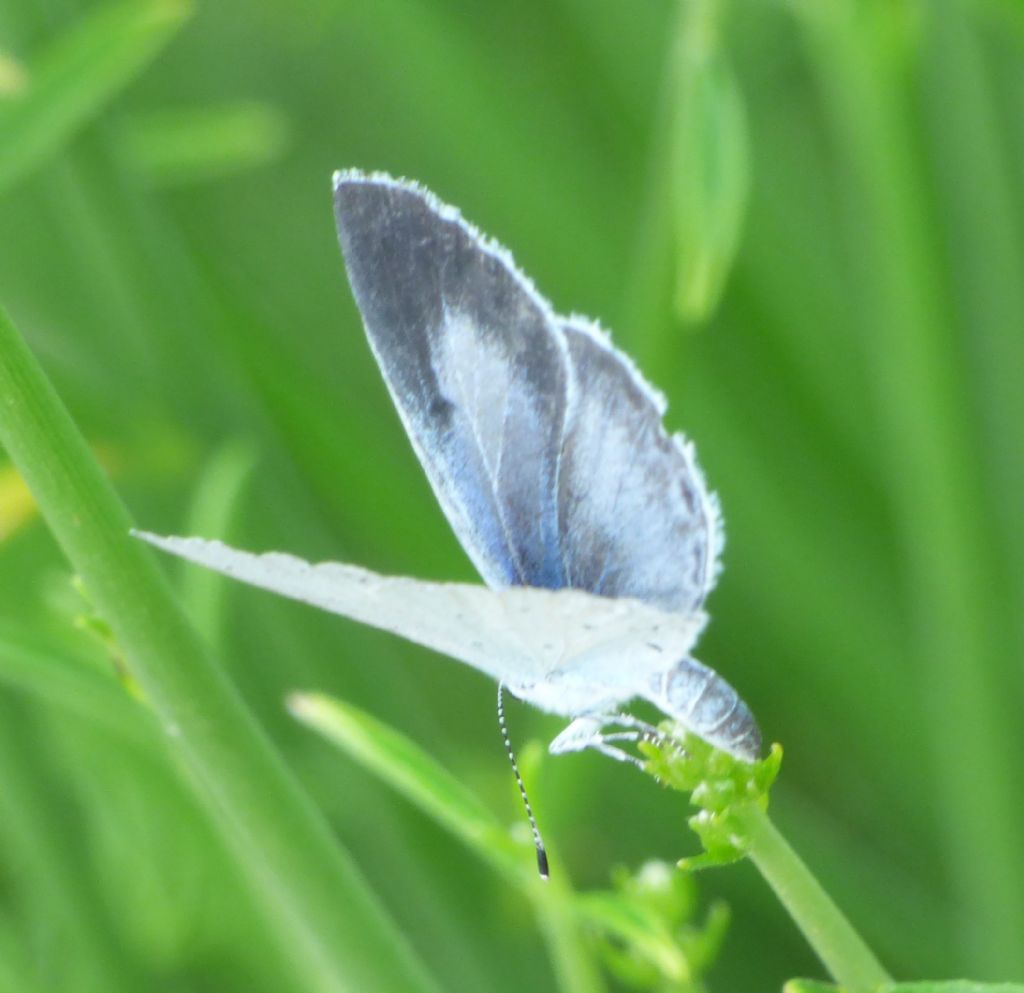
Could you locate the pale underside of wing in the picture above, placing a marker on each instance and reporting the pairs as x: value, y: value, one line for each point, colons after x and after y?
x: 483, y: 408
x: 544, y: 445
x: 566, y: 651
x: 635, y: 516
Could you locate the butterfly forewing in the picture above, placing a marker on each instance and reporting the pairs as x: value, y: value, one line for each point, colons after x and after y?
x: 475, y: 365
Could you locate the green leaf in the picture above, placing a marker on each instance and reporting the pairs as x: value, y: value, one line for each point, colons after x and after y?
x: 952, y: 986
x: 922, y: 986
x: 77, y: 76
x: 419, y: 778
x: 809, y: 986
x: 710, y: 166
x: 214, y: 504
x: 175, y: 147
x: 641, y: 930
x: 646, y: 930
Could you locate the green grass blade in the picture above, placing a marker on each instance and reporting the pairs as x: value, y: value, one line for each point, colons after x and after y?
x: 71, y: 83
x: 34, y: 831
x: 175, y: 147
x: 953, y: 986
x: 44, y: 669
x: 710, y: 164
x: 414, y: 774
x: 987, y: 248
x: 809, y: 986
x: 214, y: 505
x: 327, y: 919
x: 921, y: 396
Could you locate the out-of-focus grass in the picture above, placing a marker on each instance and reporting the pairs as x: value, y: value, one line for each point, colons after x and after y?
x: 855, y: 396
x: 65, y: 87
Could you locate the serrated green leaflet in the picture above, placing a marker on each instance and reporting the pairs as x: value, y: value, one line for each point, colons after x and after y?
x: 718, y: 784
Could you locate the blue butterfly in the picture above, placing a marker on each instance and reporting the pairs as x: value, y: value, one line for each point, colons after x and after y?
x: 593, y: 529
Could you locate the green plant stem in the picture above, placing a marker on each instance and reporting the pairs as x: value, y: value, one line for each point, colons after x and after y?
x: 851, y: 963
x: 325, y: 916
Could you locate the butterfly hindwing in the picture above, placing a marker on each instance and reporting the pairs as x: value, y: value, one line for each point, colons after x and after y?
x: 559, y: 649
x: 635, y: 516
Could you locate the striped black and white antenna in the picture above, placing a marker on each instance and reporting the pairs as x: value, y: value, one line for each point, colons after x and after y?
x: 542, y: 855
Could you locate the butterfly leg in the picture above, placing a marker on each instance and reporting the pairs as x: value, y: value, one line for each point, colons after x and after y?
x: 638, y: 728
x: 580, y: 734
x: 585, y: 732
x: 588, y: 732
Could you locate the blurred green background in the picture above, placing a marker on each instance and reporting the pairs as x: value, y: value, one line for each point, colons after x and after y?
x: 803, y: 219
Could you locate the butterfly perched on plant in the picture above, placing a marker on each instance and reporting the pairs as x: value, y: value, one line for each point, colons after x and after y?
x: 593, y: 529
